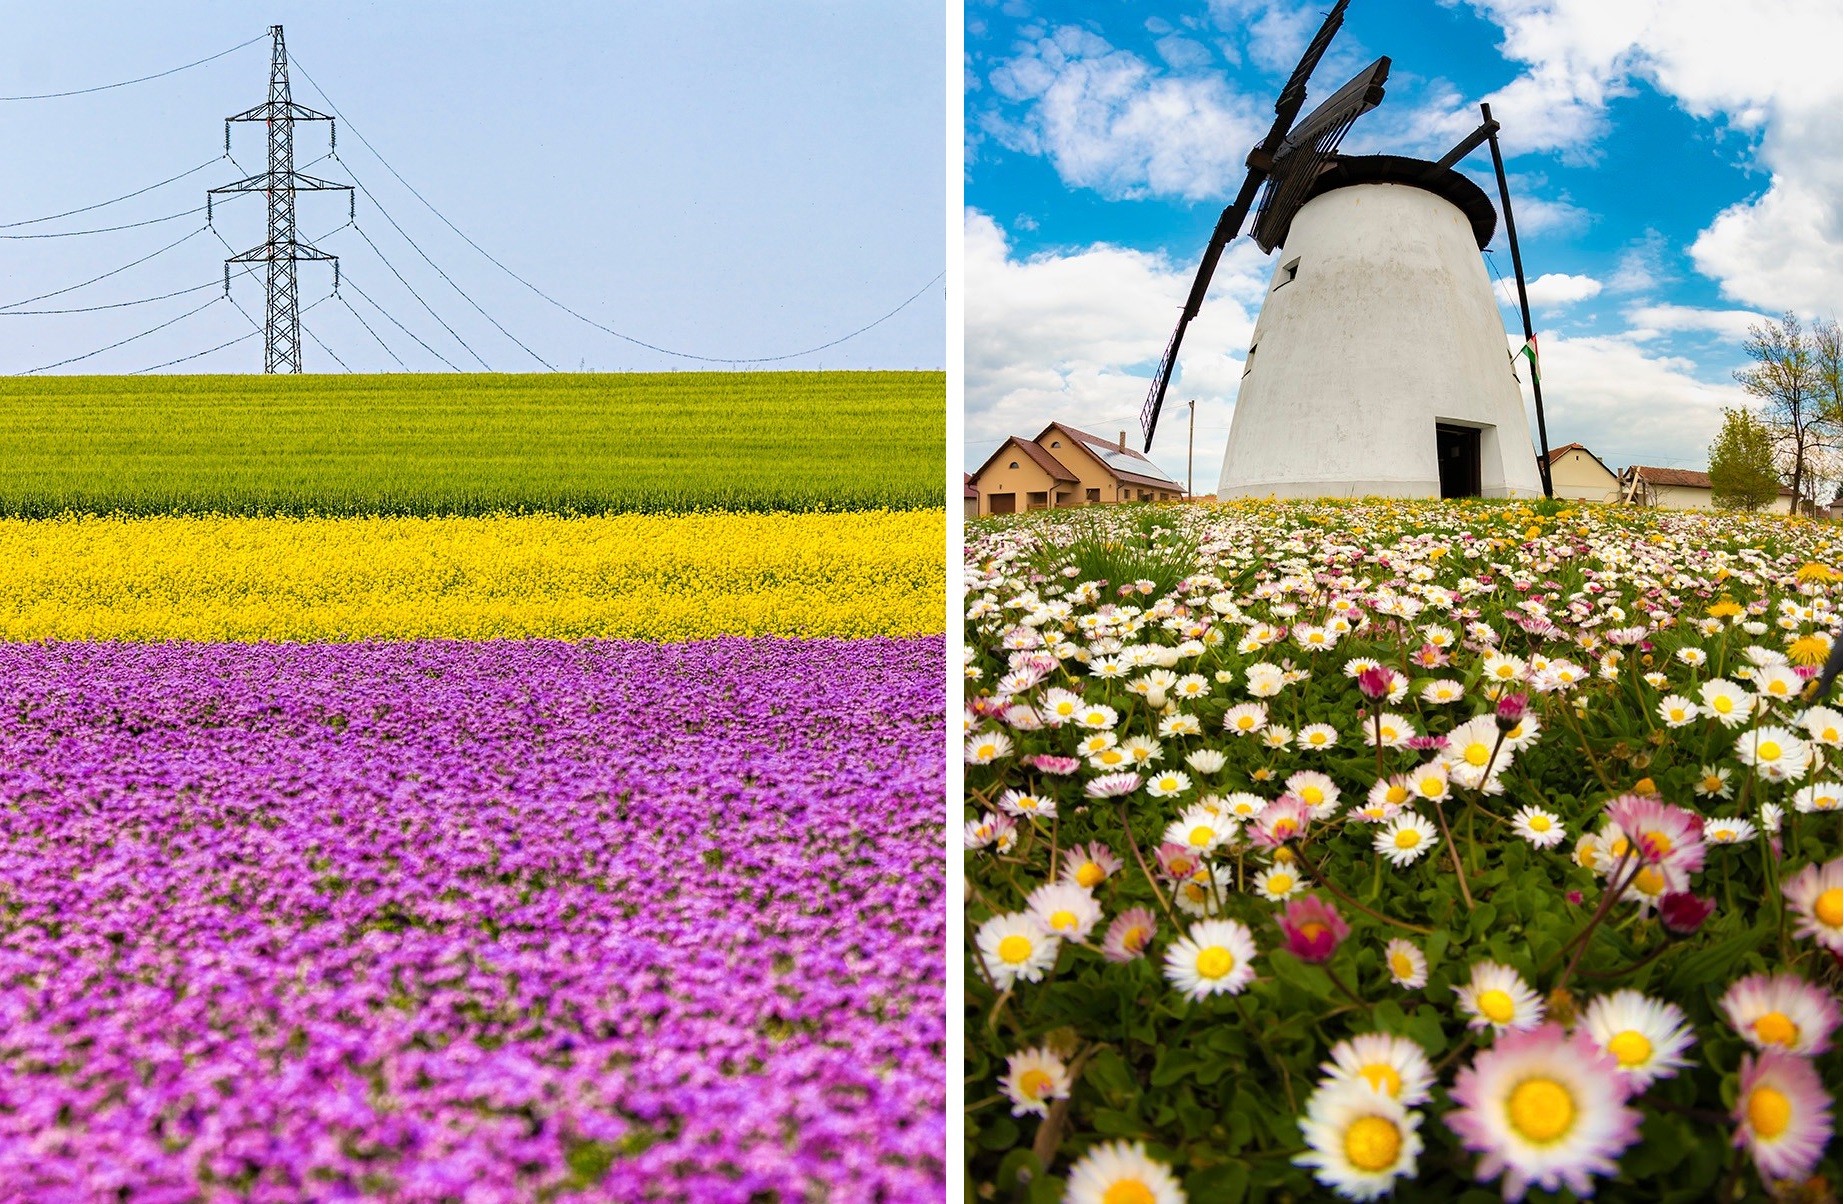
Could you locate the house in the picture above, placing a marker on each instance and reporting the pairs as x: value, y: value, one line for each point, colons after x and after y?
x: 1577, y: 473
x: 972, y: 496
x: 1681, y: 489
x: 1064, y: 466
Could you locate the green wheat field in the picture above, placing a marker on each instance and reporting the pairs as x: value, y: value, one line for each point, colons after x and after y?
x: 471, y: 443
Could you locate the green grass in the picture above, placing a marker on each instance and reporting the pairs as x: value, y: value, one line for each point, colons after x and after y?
x: 472, y: 443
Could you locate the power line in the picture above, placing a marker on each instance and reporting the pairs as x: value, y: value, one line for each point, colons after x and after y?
x: 374, y: 334
x: 122, y: 343
x: 152, y: 221
x: 143, y: 79
x: 323, y: 346
x: 438, y: 271
x: 419, y: 299
x: 399, y: 325
x: 242, y: 338
x: 106, y: 275
x: 33, y: 221
x: 708, y: 359
x: 90, y: 309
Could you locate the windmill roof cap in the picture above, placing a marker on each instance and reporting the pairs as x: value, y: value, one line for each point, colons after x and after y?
x: 1445, y: 183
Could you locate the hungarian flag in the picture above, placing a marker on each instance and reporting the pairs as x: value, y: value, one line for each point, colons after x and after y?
x: 1530, y: 349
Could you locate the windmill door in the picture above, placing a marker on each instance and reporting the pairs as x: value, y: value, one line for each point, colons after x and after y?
x: 1457, y: 448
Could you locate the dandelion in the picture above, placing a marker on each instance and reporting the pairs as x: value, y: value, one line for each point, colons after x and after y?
x: 1358, y: 1141
x: 1782, y: 1115
x: 1405, y: 839
x: 1816, y: 896
x: 1118, y: 1173
x: 1781, y: 1011
x: 1215, y: 957
x: 1408, y: 966
x: 1014, y: 947
x: 1542, y: 829
x: 1129, y: 934
x: 1544, y: 1108
x: 1034, y: 1077
x: 1645, y: 1036
x: 1497, y: 996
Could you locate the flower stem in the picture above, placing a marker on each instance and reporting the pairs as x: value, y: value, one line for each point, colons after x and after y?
x: 1342, y: 897
x: 1616, y: 886
x: 1150, y: 880
x: 1454, y: 853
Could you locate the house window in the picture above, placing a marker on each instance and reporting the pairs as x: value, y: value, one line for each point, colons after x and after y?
x: 1013, y: 464
x: 1034, y: 500
x: 1093, y: 495
x: 1056, y: 443
x: 1287, y: 273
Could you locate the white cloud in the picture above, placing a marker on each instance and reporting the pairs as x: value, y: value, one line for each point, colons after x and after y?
x: 1108, y: 120
x: 1627, y: 405
x: 1076, y: 336
x: 1770, y: 73
x: 1731, y: 323
x: 1554, y: 290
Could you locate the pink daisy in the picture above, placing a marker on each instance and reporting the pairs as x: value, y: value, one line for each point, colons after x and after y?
x: 1782, y: 1115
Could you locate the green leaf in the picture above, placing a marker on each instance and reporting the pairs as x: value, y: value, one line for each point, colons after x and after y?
x: 1227, y: 1183
x: 1000, y: 1133
x: 1708, y: 964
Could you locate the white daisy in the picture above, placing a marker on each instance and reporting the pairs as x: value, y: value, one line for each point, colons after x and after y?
x: 1358, y: 1141
x: 1727, y: 831
x: 1645, y: 1036
x: 1819, y: 796
x: 1316, y: 790
x: 1245, y: 719
x: 1317, y: 737
x: 1206, y: 760
x: 1065, y: 909
x: 1539, y: 827
x: 1677, y: 710
x: 1014, y: 947
x: 1405, y: 839
x: 1408, y: 966
x: 1497, y: 996
x: 1776, y: 754
x: 983, y: 748
x: 1278, y: 883
x: 1034, y: 1077
x: 1215, y: 957
x: 1168, y: 783
x: 1118, y: 1173
x: 1395, y: 1066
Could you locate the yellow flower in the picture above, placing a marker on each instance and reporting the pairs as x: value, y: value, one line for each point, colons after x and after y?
x: 1813, y: 571
x: 1808, y: 650
x: 1725, y: 607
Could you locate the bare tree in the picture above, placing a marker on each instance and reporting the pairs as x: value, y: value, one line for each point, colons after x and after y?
x: 1800, y: 409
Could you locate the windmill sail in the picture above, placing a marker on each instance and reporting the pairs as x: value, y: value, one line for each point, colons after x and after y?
x: 1261, y: 161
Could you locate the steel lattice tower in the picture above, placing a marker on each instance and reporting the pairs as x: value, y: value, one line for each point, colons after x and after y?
x: 282, y: 250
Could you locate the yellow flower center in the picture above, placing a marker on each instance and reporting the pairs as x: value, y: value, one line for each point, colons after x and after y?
x: 1514, y: 733
x: 1649, y: 881
x: 1134, y: 939
x: 1396, y: 794
x: 1830, y: 908
x: 1496, y: 1006
x: 1400, y: 965
x: 1284, y: 828
x: 1723, y: 704
x: 1312, y: 796
x: 1312, y: 930
x: 1382, y: 1077
x: 1062, y: 920
x: 1657, y: 844
x: 1202, y: 835
x: 1015, y: 950
x: 1089, y: 875
x: 1539, y: 823
x: 1541, y: 1110
x: 1407, y: 838
x: 1775, y: 1029
x: 1630, y: 1048
x: 1477, y: 754
x: 1127, y: 1191
x: 1768, y: 751
x: 1431, y: 786
x: 1215, y: 962
x: 1033, y: 1083
x: 1769, y: 1112
x: 1712, y: 783
x: 1372, y: 1143
x: 989, y: 750
x: 1196, y: 892
x: 1280, y: 884
x: 1245, y: 722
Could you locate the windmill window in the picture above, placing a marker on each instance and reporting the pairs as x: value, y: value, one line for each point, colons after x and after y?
x: 1248, y: 361
x: 1287, y: 273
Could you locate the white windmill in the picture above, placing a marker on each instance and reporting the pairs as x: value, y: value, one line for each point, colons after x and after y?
x: 1379, y: 362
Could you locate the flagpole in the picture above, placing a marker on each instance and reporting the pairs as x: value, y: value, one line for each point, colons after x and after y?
x: 1523, y: 300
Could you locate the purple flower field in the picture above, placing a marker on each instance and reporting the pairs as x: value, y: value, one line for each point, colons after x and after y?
x: 478, y: 922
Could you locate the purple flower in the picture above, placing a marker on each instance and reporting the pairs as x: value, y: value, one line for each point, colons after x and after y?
x: 1683, y: 913
x: 1314, y: 929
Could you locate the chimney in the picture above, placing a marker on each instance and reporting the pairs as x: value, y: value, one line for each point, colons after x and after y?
x: 1123, y: 440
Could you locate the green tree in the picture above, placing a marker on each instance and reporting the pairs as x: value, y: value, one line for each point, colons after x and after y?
x: 1799, y: 410
x: 1742, y: 475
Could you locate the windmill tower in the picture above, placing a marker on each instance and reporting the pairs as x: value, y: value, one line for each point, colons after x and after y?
x: 1379, y: 363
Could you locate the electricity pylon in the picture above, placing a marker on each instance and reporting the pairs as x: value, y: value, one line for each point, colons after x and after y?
x: 282, y: 250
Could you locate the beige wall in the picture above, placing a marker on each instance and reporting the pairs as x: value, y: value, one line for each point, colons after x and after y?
x: 1580, y: 476
x: 1686, y: 497
x: 1021, y: 482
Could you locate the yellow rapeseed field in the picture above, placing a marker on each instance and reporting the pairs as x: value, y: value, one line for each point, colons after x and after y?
x: 651, y: 577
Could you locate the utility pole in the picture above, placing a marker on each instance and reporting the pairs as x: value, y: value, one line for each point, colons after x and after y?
x: 1523, y: 299
x: 1190, y: 445
x: 282, y: 250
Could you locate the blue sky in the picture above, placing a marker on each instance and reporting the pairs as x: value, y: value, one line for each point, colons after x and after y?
x: 725, y: 179
x: 1675, y: 173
